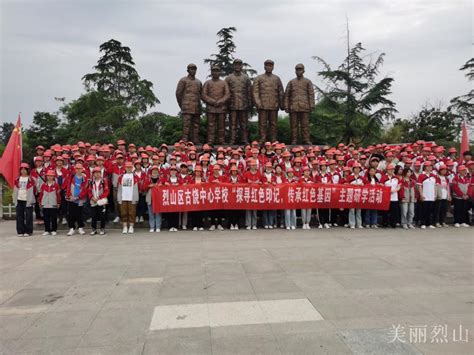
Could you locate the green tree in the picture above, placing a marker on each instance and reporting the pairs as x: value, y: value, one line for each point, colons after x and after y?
x: 432, y: 123
x: 44, y: 130
x: 6, y: 129
x: 354, y: 92
x: 117, y: 78
x: 464, y: 105
x: 153, y: 129
x: 225, y: 55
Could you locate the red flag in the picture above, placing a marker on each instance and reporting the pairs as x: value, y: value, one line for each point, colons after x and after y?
x: 464, y: 139
x: 11, y: 159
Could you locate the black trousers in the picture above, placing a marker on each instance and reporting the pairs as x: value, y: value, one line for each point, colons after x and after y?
x: 141, y: 205
x: 196, y: 219
x: 50, y: 219
x: 441, y: 209
x: 461, y: 210
x: 418, y: 214
x: 172, y: 218
x: 98, y: 214
x: 38, y: 213
x: 74, y: 215
x: 392, y: 216
x: 24, y: 218
x: 217, y: 217
x: 427, y: 212
x: 234, y: 216
x: 323, y: 215
x: 62, y: 212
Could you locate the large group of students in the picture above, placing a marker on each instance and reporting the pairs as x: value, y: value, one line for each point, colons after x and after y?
x: 111, y: 183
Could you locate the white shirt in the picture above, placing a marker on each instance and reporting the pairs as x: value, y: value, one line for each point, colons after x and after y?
x: 127, y: 187
x: 22, y: 195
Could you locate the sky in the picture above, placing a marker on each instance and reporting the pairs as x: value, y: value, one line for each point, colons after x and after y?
x: 47, y: 46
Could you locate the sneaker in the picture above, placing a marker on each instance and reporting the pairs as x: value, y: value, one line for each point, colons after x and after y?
x: 130, y: 230
x: 64, y: 221
x: 375, y: 226
x: 173, y: 229
x: 423, y: 227
x: 137, y: 219
x: 431, y: 227
x: 411, y: 226
x: 346, y: 225
x: 124, y: 230
x: 20, y: 235
x: 157, y: 230
x: 201, y: 229
x: 45, y: 233
x: 94, y: 232
x: 195, y: 229
x: 231, y: 227
x: 445, y: 225
x: 213, y: 227
x: 220, y: 227
x: 102, y: 232
x: 152, y: 230
x: 457, y: 225
x: 352, y: 227
x: 320, y: 226
x: 293, y: 227
x: 82, y: 231
x: 266, y: 227
x: 248, y: 228
x: 327, y: 226
x: 71, y: 232
x: 438, y: 225
x: 236, y: 227
x: 361, y: 227
x: 27, y: 235
x: 308, y: 227
x: 141, y: 219
x: 54, y: 233
x: 404, y: 226
x: 254, y: 227
x: 116, y: 219
x: 184, y: 227
x: 88, y: 220
x: 465, y: 225
x: 335, y: 225
x: 288, y: 228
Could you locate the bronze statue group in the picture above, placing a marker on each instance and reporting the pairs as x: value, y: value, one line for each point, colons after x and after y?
x: 111, y: 183
x: 236, y: 96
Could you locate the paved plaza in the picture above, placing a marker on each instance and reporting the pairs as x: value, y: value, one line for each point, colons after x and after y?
x: 336, y: 291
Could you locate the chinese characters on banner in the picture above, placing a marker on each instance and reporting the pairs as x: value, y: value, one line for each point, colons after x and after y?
x: 183, y: 198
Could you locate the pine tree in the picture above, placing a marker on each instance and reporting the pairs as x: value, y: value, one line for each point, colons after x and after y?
x: 464, y: 105
x: 117, y: 78
x: 354, y: 88
x: 225, y: 56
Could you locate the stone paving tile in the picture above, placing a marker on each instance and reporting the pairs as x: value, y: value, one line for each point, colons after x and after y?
x: 85, y: 295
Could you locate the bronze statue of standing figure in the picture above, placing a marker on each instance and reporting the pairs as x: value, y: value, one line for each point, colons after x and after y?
x: 299, y: 102
x: 268, y: 96
x: 215, y: 93
x: 188, y: 95
x: 240, y: 103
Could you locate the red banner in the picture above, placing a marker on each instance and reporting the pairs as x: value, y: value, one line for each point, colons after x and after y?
x: 183, y: 198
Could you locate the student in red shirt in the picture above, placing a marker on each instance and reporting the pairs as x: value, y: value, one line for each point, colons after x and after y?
x: 252, y: 176
x: 460, y: 187
x: 50, y: 199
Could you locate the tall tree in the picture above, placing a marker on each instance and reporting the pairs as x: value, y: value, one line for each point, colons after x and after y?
x: 44, y: 129
x: 464, y: 105
x: 6, y: 129
x: 355, y: 86
x: 117, y: 78
x: 225, y: 55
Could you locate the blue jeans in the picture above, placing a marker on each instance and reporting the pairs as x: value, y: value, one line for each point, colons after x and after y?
x: 371, y: 217
x: 290, y: 218
x: 269, y: 218
x: 154, y: 218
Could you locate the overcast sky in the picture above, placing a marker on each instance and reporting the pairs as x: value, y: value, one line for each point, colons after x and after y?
x: 47, y: 46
